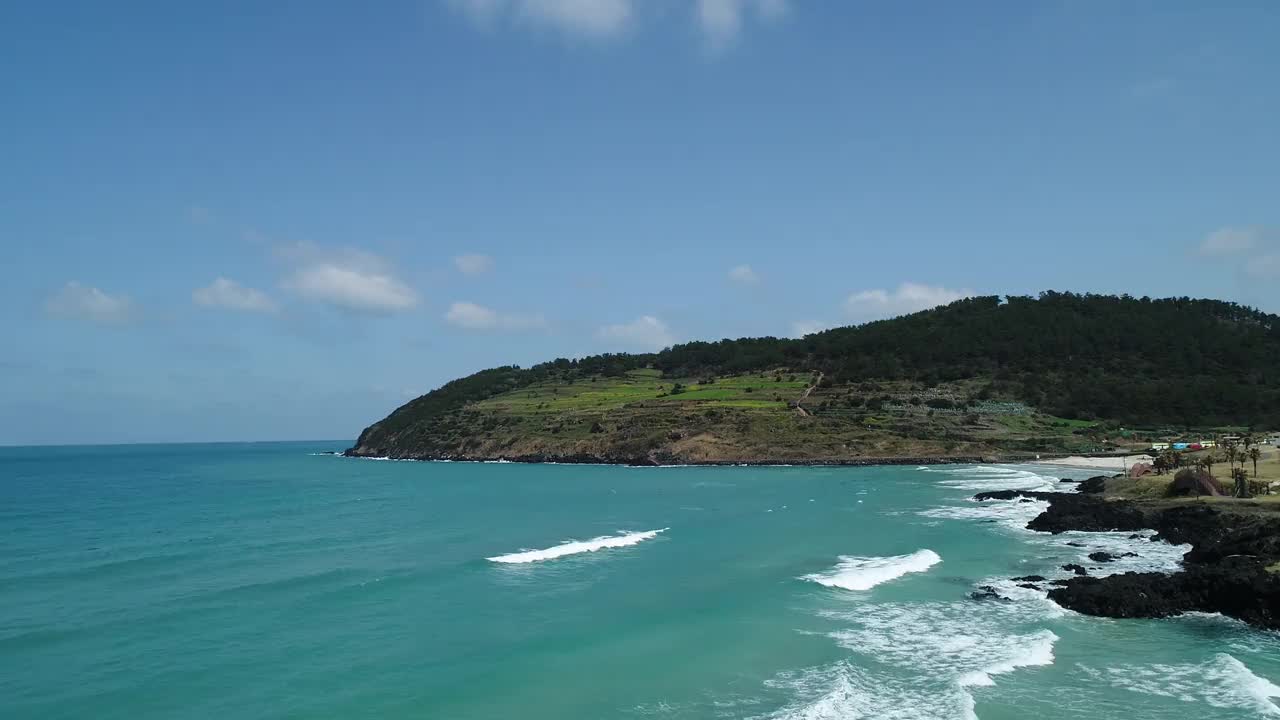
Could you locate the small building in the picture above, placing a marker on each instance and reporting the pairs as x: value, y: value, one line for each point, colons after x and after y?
x: 1159, y: 446
x: 1208, y: 444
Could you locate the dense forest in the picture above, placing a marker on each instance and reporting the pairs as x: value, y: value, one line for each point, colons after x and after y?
x: 1143, y: 361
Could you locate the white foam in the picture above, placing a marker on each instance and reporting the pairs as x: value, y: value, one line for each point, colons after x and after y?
x: 843, y: 690
x: 1222, y: 681
x: 864, y: 573
x: 1011, y: 514
x: 574, y: 547
x: 1038, y: 651
x: 983, y: 477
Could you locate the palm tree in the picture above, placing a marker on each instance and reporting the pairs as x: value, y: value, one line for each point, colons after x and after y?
x: 1159, y: 463
x: 1208, y: 464
x: 1241, y: 476
x: 1231, y: 457
x: 1254, y: 454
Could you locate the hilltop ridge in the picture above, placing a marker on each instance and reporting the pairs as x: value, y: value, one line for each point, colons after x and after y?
x: 980, y: 377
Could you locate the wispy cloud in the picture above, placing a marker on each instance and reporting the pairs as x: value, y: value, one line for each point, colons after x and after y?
x: 83, y: 302
x: 231, y: 295
x: 1230, y: 240
x: 352, y: 280
x: 473, y: 264
x: 597, y: 19
x: 645, y: 332
x: 800, y: 328
x: 721, y: 20
x: 1265, y: 267
x: 743, y: 275
x: 199, y: 215
x: 470, y: 316
x: 908, y: 298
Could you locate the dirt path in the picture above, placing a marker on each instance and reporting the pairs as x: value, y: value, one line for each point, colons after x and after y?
x: 805, y: 396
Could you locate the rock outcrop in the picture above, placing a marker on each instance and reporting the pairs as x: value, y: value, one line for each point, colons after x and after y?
x: 1226, y: 572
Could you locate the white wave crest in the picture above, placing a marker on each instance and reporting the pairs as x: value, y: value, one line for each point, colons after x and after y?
x: 573, y: 547
x: 1222, y: 681
x: 864, y: 573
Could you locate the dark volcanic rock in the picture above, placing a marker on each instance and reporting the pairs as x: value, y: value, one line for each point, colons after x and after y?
x: 1216, y: 535
x: 1238, y: 587
x: 1089, y: 513
x: 1224, y: 572
x: 1029, y: 578
x: 1106, y: 557
x: 1029, y: 586
x: 1068, y: 480
x: 986, y: 592
x: 1095, y: 484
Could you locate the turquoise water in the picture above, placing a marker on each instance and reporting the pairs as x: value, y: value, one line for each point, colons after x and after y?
x: 263, y: 581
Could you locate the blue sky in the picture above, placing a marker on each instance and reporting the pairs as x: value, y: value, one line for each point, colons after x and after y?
x: 281, y: 220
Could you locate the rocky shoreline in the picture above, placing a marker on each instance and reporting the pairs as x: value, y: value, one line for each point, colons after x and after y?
x: 1225, y: 572
x: 664, y: 460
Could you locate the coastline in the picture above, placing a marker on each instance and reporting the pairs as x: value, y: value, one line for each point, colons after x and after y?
x: 1227, y: 571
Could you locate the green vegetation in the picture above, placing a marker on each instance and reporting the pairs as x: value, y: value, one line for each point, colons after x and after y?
x: 1057, y: 373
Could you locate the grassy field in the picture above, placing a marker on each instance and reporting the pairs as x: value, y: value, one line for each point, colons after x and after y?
x: 647, y: 387
x: 1156, y: 486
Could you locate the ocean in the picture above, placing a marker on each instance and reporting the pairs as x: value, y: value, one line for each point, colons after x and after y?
x: 271, y: 581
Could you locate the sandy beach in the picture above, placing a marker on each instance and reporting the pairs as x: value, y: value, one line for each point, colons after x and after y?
x: 1116, y: 463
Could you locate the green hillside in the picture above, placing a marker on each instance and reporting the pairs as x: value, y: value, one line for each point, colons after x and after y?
x: 980, y: 377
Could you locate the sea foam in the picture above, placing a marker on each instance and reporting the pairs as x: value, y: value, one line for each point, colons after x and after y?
x: 574, y: 547
x: 1222, y: 681
x: 864, y: 573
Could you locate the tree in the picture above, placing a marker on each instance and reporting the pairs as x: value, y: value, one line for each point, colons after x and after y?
x: 1208, y: 461
x: 1232, y: 454
x: 1160, y: 463
x: 1254, y: 454
x: 1241, y: 476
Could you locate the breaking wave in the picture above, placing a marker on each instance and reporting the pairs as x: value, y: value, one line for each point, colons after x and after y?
x: 574, y: 547
x: 864, y: 573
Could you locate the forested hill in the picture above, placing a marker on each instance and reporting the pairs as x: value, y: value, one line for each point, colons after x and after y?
x: 1176, y: 361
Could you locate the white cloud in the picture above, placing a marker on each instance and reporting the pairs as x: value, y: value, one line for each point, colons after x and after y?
x: 478, y: 317
x: 229, y: 294
x: 721, y: 20
x: 473, y: 264
x: 1229, y: 240
x: 646, y: 332
x: 82, y: 302
x: 743, y: 275
x: 590, y: 18
x: 349, y: 280
x: 908, y: 298
x: 800, y: 328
